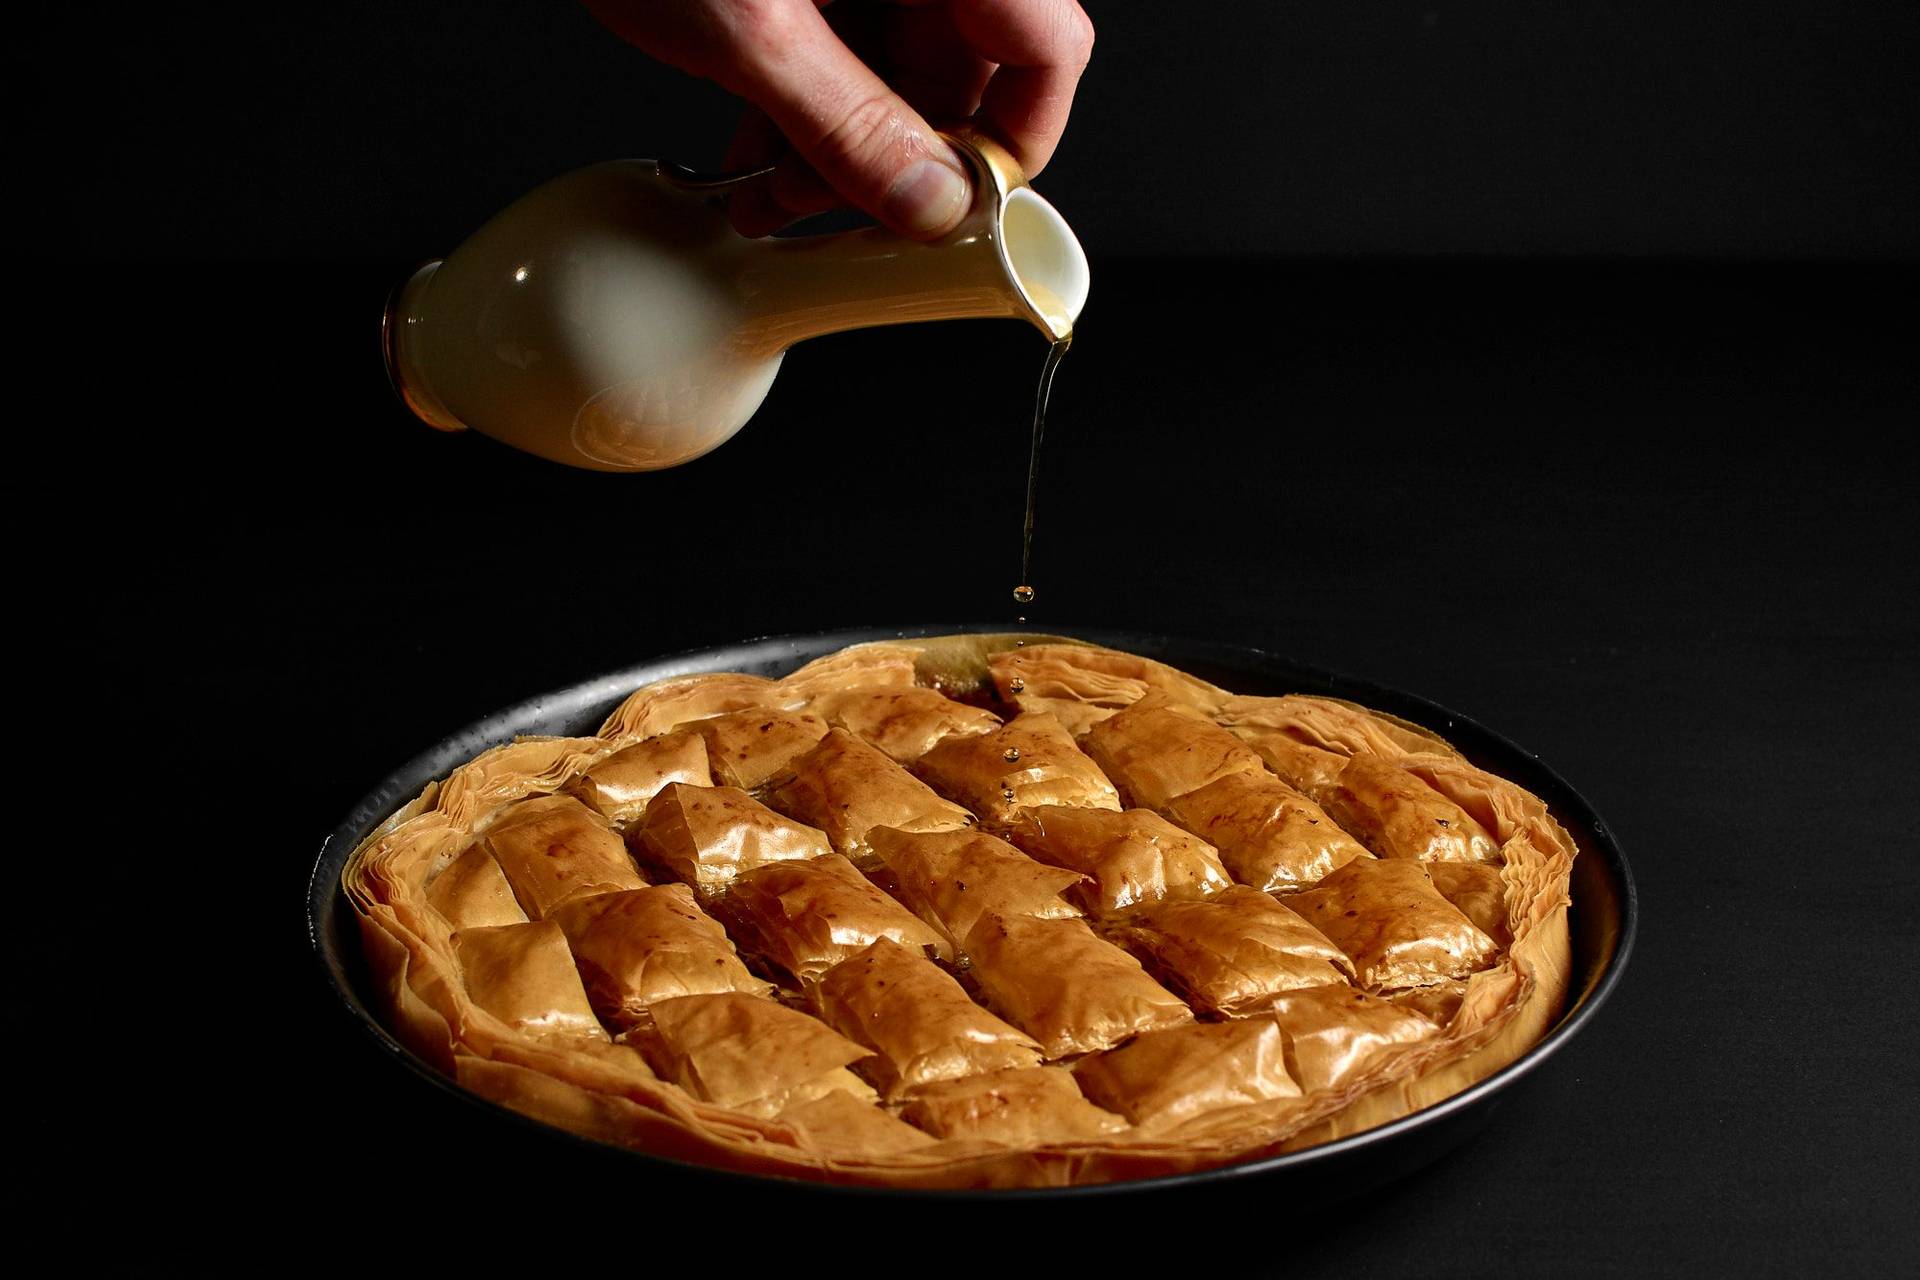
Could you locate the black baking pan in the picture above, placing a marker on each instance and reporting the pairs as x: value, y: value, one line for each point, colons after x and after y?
x: 1602, y: 918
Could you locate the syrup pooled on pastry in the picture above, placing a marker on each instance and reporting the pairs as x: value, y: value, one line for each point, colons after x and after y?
x: 1055, y: 354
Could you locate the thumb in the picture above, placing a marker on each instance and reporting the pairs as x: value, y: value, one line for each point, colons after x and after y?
x: 859, y: 135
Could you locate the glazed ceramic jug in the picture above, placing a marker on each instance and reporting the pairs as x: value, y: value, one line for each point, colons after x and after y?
x: 613, y: 319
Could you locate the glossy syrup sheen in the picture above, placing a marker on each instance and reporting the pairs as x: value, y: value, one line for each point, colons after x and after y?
x: 1024, y: 593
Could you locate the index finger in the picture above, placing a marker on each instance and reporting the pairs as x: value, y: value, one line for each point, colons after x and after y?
x: 1042, y: 47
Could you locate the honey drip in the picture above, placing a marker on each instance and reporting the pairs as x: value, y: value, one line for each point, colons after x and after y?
x: 1024, y: 592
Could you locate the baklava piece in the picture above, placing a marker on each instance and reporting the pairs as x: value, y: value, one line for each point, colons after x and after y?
x: 1155, y: 751
x: 473, y: 892
x: 749, y: 1054
x: 554, y: 849
x: 1394, y: 925
x: 1397, y: 815
x: 619, y: 787
x: 706, y: 836
x: 745, y: 748
x: 1129, y: 857
x: 1233, y: 952
x: 904, y: 723
x: 952, y: 878
x: 523, y: 975
x: 1165, y: 1077
x: 806, y: 917
x: 1070, y: 991
x: 1028, y: 1107
x: 1269, y: 835
x: 1335, y: 1033
x: 1031, y: 760
x: 637, y: 948
x: 917, y: 1020
x: 846, y: 788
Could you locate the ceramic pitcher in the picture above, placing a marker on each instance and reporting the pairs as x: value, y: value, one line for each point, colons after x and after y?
x: 613, y: 319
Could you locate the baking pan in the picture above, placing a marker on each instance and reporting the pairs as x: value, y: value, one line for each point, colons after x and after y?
x: 1602, y: 917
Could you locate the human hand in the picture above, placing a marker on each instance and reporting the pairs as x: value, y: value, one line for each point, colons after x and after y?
x: 840, y: 94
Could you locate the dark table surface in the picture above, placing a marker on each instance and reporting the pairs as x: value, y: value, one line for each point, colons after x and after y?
x: 1645, y: 519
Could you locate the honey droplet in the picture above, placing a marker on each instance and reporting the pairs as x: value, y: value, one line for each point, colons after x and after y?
x: 1023, y: 594
x: 1012, y: 754
x: 1006, y: 793
x: 1016, y: 684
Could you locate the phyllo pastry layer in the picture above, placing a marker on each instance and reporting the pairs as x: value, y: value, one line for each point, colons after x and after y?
x: 904, y: 723
x: 952, y: 878
x: 1269, y: 835
x: 1164, y: 1077
x: 619, y: 787
x: 1069, y: 990
x: 1155, y: 750
x: 1129, y: 856
x: 1031, y: 760
x: 748, y: 1054
x: 806, y: 917
x: 1394, y: 925
x: 472, y: 892
x: 1026, y: 1107
x: 838, y: 1124
x: 1233, y: 952
x: 1479, y: 891
x: 1335, y: 1033
x: 1397, y: 815
x: 745, y: 748
x: 847, y: 787
x: 553, y: 849
x: 636, y: 948
x: 917, y: 1020
x: 706, y: 836
x: 523, y: 975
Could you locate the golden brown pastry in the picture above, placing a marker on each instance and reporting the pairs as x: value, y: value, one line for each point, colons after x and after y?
x: 1397, y: 815
x: 846, y: 787
x: 749, y: 1054
x: 1304, y: 768
x: 1155, y: 750
x: 1066, y: 988
x: 806, y: 917
x: 523, y: 975
x: 507, y: 925
x: 1030, y: 760
x: 904, y: 723
x: 1437, y: 1003
x: 1269, y: 835
x: 1129, y: 856
x: 706, y: 836
x: 637, y: 948
x: 917, y: 1020
x: 1479, y: 891
x: 1334, y: 1034
x: 952, y: 878
x: 1165, y: 1077
x: 554, y: 849
x: 1081, y: 685
x: 473, y: 892
x: 842, y: 1125
x: 619, y: 787
x: 1394, y: 925
x: 1233, y: 952
x: 745, y: 748
x: 1017, y: 1108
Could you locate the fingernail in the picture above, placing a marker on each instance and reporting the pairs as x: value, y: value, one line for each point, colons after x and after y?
x: 927, y: 198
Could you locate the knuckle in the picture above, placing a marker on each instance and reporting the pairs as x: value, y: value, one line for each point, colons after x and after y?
x: 863, y: 133
x: 759, y: 23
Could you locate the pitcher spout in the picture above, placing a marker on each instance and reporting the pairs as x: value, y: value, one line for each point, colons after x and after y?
x: 1013, y: 257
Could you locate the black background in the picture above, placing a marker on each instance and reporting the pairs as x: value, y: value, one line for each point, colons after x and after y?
x: 1620, y: 482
